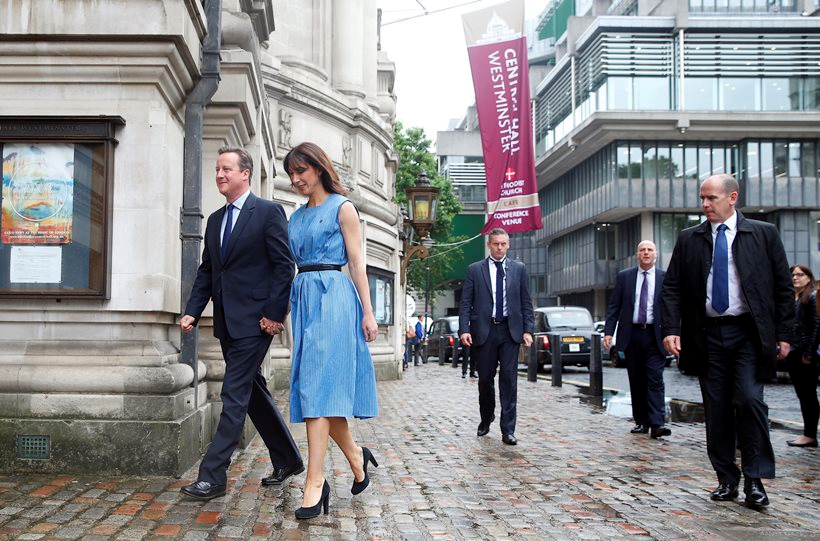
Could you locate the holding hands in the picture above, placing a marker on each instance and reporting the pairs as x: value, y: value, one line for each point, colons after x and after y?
x: 271, y: 327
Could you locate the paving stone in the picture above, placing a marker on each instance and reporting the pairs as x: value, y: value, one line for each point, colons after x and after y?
x: 576, y: 474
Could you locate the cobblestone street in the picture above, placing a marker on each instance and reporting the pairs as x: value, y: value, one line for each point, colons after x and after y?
x: 576, y: 473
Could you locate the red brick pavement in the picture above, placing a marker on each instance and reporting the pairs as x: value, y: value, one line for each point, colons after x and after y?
x: 576, y: 474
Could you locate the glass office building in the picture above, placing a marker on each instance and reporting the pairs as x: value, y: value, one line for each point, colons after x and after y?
x: 640, y: 108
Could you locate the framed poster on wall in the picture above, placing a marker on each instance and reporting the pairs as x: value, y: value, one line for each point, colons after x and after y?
x: 56, y: 206
x: 381, y: 294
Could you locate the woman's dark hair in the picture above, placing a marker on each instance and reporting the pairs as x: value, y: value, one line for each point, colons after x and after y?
x: 807, y: 291
x: 310, y: 154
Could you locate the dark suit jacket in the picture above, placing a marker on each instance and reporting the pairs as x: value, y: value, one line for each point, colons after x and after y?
x: 254, y: 280
x: 476, y: 308
x: 765, y: 284
x: 622, y: 306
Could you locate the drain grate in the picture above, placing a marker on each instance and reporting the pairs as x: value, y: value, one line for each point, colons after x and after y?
x: 38, y: 447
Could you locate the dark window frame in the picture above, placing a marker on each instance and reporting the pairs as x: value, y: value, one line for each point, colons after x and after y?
x: 95, y: 132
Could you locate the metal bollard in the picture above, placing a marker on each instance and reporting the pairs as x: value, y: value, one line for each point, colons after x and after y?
x: 596, y: 372
x: 557, y: 368
x: 532, y: 362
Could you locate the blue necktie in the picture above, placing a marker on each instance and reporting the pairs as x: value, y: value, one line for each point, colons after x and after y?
x: 499, y: 290
x: 226, y: 234
x: 720, y: 271
x: 644, y: 299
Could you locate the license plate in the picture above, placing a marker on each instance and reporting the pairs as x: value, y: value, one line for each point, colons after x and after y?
x: 574, y: 348
x: 573, y: 339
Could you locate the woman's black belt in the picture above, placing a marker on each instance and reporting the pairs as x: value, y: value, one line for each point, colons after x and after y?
x: 322, y: 267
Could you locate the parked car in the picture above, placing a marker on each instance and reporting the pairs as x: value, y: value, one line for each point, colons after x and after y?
x: 442, y: 340
x: 573, y: 325
x: 617, y: 360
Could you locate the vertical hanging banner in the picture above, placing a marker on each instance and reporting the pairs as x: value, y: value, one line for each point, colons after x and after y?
x: 497, y: 49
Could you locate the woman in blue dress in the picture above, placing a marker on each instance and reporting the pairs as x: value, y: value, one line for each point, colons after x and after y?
x: 332, y: 375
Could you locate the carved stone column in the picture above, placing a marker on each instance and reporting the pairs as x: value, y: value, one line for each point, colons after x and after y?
x: 347, y: 55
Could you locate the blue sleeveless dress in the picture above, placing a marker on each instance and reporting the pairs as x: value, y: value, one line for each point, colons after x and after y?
x: 332, y: 373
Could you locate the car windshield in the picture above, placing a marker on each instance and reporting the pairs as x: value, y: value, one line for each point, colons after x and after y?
x: 569, y: 319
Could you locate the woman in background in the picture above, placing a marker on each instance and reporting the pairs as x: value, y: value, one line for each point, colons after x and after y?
x: 803, y: 361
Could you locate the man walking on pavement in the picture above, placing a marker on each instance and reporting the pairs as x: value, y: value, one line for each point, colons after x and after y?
x: 467, y: 360
x: 495, y: 317
x: 635, y: 308
x: 728, y: 314
x: 419, y: 342
x: 246, y: 269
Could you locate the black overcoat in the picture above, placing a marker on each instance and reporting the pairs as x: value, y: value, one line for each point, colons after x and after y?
x: 765, y: 283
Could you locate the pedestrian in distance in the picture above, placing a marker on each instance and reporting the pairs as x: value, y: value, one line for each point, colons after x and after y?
x: 246, y: 269
x: 728, y: 314
x: 635, y: 308
x: 495, y: 317
x: 467, y: 360
x: 803, y: 361
x: 409, y: 339
x: 332, y: 375
x: 418, y: 343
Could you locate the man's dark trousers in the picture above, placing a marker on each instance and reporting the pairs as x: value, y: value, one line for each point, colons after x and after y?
x: 498, y: 352
x: 733, y: 396
x: 245, y: 390
x: 645, y: 364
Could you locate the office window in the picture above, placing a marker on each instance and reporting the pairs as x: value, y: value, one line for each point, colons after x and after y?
x: 700, y: 93
x: 652, y: 93
x: 740, y: 94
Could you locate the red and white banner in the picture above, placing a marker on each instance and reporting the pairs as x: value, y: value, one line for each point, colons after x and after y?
x: 498, y: 58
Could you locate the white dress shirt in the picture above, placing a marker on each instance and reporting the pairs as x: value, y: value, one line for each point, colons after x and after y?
x: 737, y: 305
x: 234, y: 214
x: 650, y: 298
x: 491, y: 263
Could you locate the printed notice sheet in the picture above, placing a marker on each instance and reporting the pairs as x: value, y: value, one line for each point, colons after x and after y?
x: 36, y: 264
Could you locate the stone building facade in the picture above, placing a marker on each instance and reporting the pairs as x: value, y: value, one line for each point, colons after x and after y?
x: 91, y: 376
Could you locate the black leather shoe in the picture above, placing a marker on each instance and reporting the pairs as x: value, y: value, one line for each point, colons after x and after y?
x: 509, y: 439
x: 725, y: 492
x: 484, y: 428
x: 280, y: 475
x: 639, y: 429
x: 473, y: 375
x: 755, y: 493
x: 659, y: 431
x: 463, y: 375
x: 203, y: 490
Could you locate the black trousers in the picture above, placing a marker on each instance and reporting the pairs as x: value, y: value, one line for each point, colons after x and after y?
x: 245, y: 391
x: 498, y: 353
x: 644, y: 364
x: 467, y: 359
x: 733, y: 401
x: 804, y: 378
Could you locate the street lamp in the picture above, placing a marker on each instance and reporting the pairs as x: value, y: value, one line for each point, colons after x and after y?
x: 422, y: 200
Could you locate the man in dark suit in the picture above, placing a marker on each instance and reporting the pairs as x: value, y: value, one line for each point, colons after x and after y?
x: 246, y: 269
x: 635, y: 308
x: 728, y: 313
x: 495, y: 317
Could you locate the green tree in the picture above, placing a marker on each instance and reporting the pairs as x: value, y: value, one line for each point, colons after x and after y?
x: 413, y: 148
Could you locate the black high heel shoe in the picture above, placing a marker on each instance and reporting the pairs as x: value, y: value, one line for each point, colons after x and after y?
x: 315, y: 510
x: 359, y: 486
